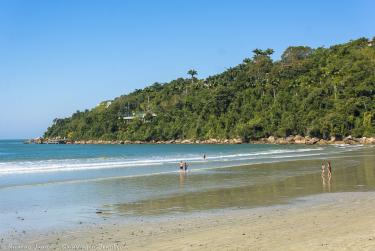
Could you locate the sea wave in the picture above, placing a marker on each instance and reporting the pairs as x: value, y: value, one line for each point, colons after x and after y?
x: 347, y: 146
x: 55, y: 165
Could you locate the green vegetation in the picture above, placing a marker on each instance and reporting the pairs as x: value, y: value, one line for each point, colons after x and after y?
x: 319, y: 92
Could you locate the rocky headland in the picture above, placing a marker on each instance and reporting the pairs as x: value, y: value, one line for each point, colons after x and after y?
x: 293, y: 139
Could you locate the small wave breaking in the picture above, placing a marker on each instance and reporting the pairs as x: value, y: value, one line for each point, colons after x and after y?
x: 58, y: 165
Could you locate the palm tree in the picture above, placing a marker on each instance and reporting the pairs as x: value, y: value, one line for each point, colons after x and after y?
x: 192, y: 72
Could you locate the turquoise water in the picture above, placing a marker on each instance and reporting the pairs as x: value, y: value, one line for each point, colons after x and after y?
x: 24, y: 164
x: 52, y: 186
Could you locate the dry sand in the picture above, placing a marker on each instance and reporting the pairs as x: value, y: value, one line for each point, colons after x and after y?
x: 342, y: 221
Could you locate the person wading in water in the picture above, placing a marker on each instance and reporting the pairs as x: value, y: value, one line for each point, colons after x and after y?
x: 329, y: 167
x: 181, y: 166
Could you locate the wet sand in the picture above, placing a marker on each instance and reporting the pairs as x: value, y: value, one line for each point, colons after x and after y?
x: 337, y: 221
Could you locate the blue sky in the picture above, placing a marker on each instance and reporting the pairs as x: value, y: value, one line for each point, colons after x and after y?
x: 60, y: 56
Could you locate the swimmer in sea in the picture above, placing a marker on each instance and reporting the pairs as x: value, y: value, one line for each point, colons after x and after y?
x: 181, y: 166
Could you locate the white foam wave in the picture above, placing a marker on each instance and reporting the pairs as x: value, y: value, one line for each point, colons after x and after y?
x: 347, y: 146
x: 55, y: 165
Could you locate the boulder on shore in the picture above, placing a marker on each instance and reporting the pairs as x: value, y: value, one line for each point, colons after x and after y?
x: 236, y: 141
x: 290, y: 139
x: 312, y: 141
x: 322, y: 142
x: 282, y: 141
x: 298, y: 139
x: 271, y: 139
x: 370, y: 140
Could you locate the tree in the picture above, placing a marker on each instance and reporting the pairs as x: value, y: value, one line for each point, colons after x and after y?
x: 295, y: 53
x: 258, y: 52
x: 192, y: 73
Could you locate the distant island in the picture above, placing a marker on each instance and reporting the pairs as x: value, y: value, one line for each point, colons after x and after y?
x: 318, y: 94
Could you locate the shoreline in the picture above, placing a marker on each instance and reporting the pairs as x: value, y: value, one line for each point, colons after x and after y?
x: 290, y: 140
x: 333, y: 221
x: 297, y: 211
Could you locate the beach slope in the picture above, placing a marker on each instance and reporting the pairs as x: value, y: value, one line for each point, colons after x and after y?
x: 332, y: 221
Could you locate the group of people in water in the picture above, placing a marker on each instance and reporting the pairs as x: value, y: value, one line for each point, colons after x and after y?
x: 184, y: 165
x: 327, y: 165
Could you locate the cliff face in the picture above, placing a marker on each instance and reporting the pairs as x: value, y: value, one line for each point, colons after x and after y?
x: 317, y: 93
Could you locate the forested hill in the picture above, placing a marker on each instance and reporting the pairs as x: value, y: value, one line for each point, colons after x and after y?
x: 318, y: 92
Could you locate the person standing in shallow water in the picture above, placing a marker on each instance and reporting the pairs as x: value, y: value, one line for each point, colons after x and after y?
x: 185, y: 166
x: 181, y: 166
x: 329, y: 167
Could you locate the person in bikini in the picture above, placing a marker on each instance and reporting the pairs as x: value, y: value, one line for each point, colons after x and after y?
x: 181, y: 166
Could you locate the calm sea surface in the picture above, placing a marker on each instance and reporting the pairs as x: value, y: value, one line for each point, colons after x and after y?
x: 51, y: 186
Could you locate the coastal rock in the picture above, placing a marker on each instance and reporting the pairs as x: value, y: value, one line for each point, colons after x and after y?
x: 339, y: 142
x: 237, y: 141
x: 271, y: 139
x: 290, y: 139
x: 349, y: 140
x: 210, y: 141
x: 370, y: 140
x: 298, y: 139
x: 322, y: 142
x: 263, y: 141
x: 362, y: 140
x: 282, y: 141
x: 357, y: 139
x: 336, y: 139
x: 312, y: 141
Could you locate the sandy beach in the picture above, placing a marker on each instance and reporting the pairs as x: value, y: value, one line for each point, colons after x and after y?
x: 282, y: 205
x: 332, y: 221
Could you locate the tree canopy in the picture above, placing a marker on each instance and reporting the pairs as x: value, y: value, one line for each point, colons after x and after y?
x: 320, y: 92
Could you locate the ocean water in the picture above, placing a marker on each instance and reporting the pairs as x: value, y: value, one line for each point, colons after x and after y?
x: 27, y: 164
x: 55, y: 186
